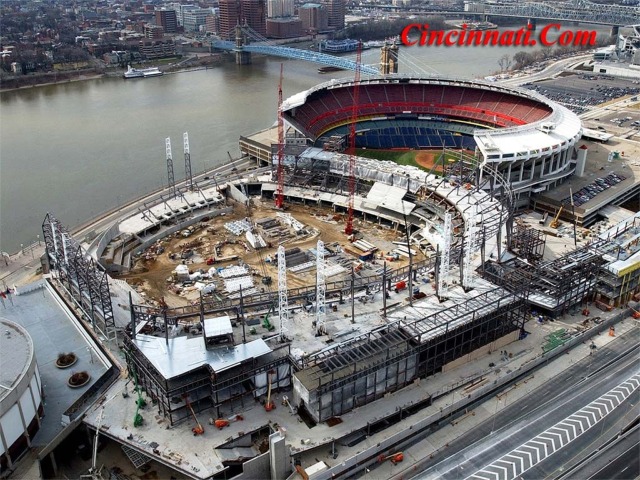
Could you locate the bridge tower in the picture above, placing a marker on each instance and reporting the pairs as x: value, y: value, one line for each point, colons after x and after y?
x: 531, y: 24
x: 389, y: 58
x: 242, y: 57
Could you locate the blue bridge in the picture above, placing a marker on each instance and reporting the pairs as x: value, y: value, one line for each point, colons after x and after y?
x: 264, y: 47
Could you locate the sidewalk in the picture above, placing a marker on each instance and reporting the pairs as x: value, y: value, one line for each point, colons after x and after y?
x: 21, y: 268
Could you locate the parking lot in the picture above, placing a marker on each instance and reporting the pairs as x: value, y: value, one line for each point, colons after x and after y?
x: 580, y: 91
x: 591, y: 190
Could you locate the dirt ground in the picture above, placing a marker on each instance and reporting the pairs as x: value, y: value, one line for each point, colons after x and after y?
x: 152, y: 276
x: 427, y: 159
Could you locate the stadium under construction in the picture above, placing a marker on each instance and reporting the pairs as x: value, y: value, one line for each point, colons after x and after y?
x: 334, y: 351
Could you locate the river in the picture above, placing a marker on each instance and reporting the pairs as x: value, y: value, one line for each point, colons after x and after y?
x: 81, y: 148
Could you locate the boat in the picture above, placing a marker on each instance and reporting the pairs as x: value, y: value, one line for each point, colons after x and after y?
x: 142, y: 72
x: 340, y: 46
x: 329, y: 69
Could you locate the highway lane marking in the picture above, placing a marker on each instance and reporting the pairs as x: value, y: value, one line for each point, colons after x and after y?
x: 571, y: 426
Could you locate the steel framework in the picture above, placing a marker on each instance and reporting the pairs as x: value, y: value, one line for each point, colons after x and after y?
x: 283, y: 304
x: 321, y: 289
x: 527, y: 243
x: 361, y: 370
x: 171, y: 179
x: 581, y: 11
x: 83, y: 279
x: 205, y: 387
x: 187, y: 162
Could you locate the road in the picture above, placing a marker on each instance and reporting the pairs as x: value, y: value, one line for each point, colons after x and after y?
x: 618, y: 460
x: 545, y: 408
x: 554, y: 69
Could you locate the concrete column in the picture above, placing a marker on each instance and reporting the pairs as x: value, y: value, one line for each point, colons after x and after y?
x: 615, y: 31
x: 279, y: 460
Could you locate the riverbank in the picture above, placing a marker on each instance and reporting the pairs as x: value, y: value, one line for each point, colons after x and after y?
x: 29, y: 81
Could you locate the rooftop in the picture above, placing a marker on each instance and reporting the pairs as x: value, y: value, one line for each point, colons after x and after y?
x: 16, y: 352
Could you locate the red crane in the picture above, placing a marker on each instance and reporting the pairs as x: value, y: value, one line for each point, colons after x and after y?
x: 348, y: 229
x: 280, y: 190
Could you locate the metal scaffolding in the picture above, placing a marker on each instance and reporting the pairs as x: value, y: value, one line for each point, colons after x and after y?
x: 230, y: 390
x: 470, y: 248
x: 443, y: 270
x: 283, y: 304
x: 363, y: 369
x: 83, y: 279
x: 321, y: 289
x: 527, y: 243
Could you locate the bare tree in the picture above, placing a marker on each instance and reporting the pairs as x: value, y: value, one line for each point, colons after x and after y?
x: 504, y: 62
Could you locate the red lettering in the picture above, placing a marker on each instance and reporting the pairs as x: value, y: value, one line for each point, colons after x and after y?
x: 447, y: 39
x: 565, y: 38
x: 491, y: 37
x: 506, y: 39
x: 543, y: 34
x: 474, y: 37
x: 404, y: 36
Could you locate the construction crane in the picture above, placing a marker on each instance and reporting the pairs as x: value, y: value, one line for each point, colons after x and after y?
x: 280, y: 170
x: 95, y: 473
x: 198, y: 429
x: 555, y: 222
x: 348, y: 229
x: 269, y: 405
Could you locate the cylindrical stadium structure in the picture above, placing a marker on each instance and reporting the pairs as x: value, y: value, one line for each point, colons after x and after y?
x: 20, y: 393
x: 528, y: 138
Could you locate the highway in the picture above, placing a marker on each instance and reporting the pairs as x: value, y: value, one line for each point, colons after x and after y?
x: 481, y: 452
x: 550, y: 71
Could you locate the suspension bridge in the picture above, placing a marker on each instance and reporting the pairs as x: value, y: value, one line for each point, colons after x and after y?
x: 263, y: 46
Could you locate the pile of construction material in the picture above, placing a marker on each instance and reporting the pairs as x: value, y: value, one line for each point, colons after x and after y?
x: 238, y: 227
x: 292, y: 222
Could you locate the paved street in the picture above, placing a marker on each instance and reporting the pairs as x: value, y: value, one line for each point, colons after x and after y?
x: 552, y: 405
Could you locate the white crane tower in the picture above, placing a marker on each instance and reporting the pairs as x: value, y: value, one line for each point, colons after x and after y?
x: 321, y: 289
x: 283, y: 311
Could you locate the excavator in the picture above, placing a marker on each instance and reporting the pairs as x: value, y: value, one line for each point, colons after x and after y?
x: 198, y: 429
x: 555, y: 222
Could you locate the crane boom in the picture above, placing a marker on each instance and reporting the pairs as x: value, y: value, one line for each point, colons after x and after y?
x: 348, y: 229
x: 280, y: 171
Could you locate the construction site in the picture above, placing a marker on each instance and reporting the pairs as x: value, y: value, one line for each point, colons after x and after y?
x: 315, y: 315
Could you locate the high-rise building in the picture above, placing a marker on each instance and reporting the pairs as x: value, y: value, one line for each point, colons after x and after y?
x: 212, y: 23
x: 193, y: 19
x: 250, y: 12
x: 313, y: 17
x: 167, y: 19
x: 254, y: 14
x: 229, y: 17
x: 153, y: 31
x: 279, y: 8
x: 336, y: 10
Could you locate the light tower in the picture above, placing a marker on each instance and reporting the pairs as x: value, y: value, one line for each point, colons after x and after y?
x: 348, y: 229
x: 171, y: 177
x: 443, y: 274
x: 321, y: 289
x: 471, y: 230
x: 187, y: 162
x: 283, y: 307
